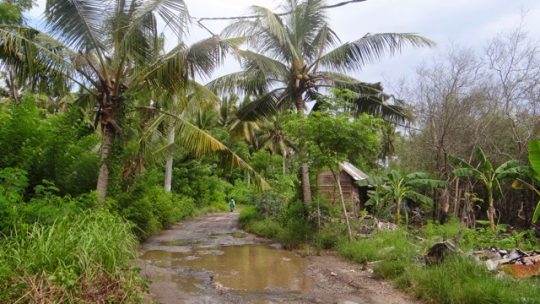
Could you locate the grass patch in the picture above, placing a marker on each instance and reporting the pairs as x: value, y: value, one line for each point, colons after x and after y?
x: 457, y: 280
x: 74, y: 260
x: 462, y: 280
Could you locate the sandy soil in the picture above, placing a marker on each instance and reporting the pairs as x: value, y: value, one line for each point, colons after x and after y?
x: 331, y: 279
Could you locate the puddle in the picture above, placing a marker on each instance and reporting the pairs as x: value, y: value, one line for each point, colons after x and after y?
x: 179, y: 243
x: 246, y: 268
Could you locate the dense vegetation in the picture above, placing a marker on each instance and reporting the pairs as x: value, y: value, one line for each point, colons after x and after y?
x: 106, y: 138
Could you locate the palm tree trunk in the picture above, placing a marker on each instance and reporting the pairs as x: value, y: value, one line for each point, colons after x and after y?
x: 107, y: 137
x: 306, y: 186
x: 13, y: 85
x: 338, y: 181
x: 169, y: 163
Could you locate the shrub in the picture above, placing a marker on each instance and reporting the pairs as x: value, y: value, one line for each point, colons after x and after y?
x: 152, y: 209
x: 266, y: 228
x: 241, y: 192
x: 249, y: 214
x: 268, y: 204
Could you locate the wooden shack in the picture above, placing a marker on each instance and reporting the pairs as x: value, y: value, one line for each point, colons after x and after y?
x: 348, y: 175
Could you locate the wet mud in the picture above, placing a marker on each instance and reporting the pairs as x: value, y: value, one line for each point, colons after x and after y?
x: 211, y: 260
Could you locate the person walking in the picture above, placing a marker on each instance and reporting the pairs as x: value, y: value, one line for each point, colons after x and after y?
x: 232, y: 204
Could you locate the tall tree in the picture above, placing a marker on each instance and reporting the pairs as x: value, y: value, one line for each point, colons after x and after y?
x: 295, y: 56
x: 108, y: 49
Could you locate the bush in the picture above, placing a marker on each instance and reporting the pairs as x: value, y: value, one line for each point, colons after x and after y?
x: 249, y: 214
x: 268, y: 203
x: 241, y: 192
x: 266, y: 228
x: 151, y: 209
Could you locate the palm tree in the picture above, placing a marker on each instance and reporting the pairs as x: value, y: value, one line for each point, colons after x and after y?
x: 395, y: 187
x: 111, y: 50
x: 296, y: 55
x: 272, y: 137
x: 489, y: 176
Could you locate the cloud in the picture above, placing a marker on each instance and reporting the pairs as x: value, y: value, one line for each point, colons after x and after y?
x: 461, y: 22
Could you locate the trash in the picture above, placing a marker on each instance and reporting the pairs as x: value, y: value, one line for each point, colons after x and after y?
x: 516, y: 263
x: 333, y: 274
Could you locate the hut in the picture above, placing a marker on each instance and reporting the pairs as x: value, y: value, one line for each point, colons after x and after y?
x: 348, y: 175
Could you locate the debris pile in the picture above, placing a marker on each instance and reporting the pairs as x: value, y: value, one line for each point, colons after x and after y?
x: 516, y: 263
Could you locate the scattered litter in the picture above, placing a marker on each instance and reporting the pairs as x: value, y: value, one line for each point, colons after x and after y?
x: 333, y: 274
x: 516, y: 263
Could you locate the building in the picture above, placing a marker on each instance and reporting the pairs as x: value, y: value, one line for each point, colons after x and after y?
x: 348, y: 175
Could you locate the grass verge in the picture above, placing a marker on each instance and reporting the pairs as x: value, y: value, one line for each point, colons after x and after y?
x: 85, y: 259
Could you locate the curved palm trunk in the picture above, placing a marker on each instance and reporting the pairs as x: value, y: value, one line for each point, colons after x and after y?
x: 169, y: 164
x: 107, y: 137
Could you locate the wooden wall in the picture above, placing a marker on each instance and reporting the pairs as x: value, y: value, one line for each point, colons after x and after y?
x: 327, y: 187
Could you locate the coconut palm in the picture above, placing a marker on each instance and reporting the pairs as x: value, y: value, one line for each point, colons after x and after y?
x: 296, y: 55
x: 111, y: 50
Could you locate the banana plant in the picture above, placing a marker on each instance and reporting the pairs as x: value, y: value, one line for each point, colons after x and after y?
x: 488, y: 175
x: 396, y: 187
x: 534, y: 160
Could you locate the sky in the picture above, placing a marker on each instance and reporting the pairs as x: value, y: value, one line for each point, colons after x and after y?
x: 461, y: 23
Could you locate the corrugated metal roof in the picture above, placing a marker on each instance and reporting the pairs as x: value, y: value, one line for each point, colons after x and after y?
x: 354, y: 172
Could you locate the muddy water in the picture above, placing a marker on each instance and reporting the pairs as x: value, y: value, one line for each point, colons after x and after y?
x: 216, y: 262
x: 243, y: 268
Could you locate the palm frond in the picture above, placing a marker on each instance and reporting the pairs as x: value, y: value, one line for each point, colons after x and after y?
x: 352, y: 56
x: 324, y: 39
x: 252, y: 82
x: 173, y: 12
x: 274, y: 27
x: 264, y: 106
x: 201, y: 143
x: 80, y: 23
x: 38, y: 58
x: 258, y: 62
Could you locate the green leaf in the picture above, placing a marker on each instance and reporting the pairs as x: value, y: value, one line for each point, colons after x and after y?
x: 419, y: 198
x: 534, y: 157
x: 485, y: 164
x: 536, y: 213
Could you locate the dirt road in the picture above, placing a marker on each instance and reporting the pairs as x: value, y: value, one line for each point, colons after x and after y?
x: 211, y: 260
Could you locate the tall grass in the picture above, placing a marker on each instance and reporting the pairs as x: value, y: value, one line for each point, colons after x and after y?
x: 75, y: 260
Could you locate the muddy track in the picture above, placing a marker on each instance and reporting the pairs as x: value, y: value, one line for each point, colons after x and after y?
x: 210, y: 259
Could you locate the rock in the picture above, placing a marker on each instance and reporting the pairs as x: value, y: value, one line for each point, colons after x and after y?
x: 439, y: 251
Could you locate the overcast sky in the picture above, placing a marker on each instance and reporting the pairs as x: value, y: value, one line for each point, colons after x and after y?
x: 466, y: 23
